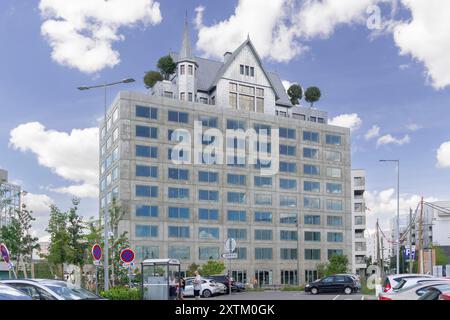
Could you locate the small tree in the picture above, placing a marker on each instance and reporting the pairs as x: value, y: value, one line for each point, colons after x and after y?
x: 321, y: 270
x: 166, y: 66
x: 295, y: 93
x: 75, y: 229
x: 152, y: 77
x: 338, y: 263
x: 213, y: 267
x: 192, y: 268
x: 58, y: 250
x: 312, y: 94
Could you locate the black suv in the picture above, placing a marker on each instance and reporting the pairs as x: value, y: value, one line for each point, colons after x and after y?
x: 224, y: 280
x: 335, y: 283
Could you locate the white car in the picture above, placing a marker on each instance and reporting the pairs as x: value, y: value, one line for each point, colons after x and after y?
x: 222, y: 288
x: 409, y: 282
x: 412, y: 293
x: 392, y: 280
x: 40, y: 289
x: 209, y: 288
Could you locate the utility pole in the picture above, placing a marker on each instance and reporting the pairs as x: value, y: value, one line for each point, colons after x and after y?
x: 378, y: 245
x: 410, y: 240
x: 422, y: 263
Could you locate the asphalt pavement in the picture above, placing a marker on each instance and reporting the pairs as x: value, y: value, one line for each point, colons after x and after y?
x: 288, y: 295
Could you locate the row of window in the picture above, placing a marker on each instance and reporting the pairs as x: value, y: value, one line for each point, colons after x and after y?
x: 183, y: 117
x: 235, y: 215
x: 207, y: 253
x: 235, y: 197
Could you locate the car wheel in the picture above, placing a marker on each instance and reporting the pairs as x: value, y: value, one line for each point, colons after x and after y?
x: 348, y: 290
x: 207, y: 293
x: 314, y: 290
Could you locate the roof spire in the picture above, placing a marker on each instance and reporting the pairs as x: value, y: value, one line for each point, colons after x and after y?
x: 186, y: 51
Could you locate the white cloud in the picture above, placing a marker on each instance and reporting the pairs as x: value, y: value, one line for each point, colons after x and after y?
x: 413, y: 127
x: 38, y: 203
x: 351, y: 121
x: 82, y: 34
x: 389, y: 139
x: 72, y: 156
x: 443, y: 155
x: 372, y: 132
x: 425, y: 38
x: 383, y: 205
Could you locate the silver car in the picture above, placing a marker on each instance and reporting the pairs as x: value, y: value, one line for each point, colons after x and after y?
x: 40, y: 289
x: 412, y: 293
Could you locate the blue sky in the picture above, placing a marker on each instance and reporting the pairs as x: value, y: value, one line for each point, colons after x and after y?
x: 359, y: 72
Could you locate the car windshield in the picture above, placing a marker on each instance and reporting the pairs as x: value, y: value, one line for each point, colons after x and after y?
x: 70, y: 292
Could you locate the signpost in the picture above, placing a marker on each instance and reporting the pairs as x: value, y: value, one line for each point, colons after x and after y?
x: 127, y: 257
x: 96, y: 256
x: 7, y: 258
x: 230, y: 247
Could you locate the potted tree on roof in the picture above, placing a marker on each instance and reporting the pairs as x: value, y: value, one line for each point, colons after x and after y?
x: 312, y: 94
x: 295, y: 93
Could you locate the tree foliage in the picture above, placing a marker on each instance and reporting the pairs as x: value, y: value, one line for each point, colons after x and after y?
x: 151, y: 78
x: 212, y: 267
x: 192, y: 268
x: 17, y: 237
x: 312, y: 94
x: 67, y: 243
x: 295, y: 93
x: 166, y: 66
x: 338, y: 263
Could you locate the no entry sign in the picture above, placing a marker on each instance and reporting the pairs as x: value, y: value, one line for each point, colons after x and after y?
x: 96, y: 252
x: 5, y: 253
x: 127, y: 255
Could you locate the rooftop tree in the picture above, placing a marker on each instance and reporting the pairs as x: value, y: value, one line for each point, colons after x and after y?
x: 312, y: 94
x: 152, y: 77
x: 166, y: 66
x: 295, y: 93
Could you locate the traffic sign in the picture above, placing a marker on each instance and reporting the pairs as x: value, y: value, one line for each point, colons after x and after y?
x: 127, y: 255
x: 230, y: 245
x: 230, y: 255
x: 96, y: 252
x: 5, y: 253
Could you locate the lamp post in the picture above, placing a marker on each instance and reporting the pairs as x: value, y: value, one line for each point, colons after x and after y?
x: 398, y: 211
x: 106, y: 228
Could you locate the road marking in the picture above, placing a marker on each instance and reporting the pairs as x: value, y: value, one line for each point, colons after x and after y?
x: 362, y: 297
x: 336, y: 297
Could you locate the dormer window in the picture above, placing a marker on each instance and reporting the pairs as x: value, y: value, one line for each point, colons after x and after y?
x: 247, y: 70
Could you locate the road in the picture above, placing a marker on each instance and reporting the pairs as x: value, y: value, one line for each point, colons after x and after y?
x: 288, y: 295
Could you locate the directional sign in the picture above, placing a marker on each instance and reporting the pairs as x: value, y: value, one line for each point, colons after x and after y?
x: 230, y: 245
x: 5, y: 253
x: 230, y: 255
x: 96, y: 252
x: 127, y: 255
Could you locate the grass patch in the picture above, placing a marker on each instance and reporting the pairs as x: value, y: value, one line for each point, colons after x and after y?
x: 254, y: 289
x: 366, y: 290
x: 293, y: 288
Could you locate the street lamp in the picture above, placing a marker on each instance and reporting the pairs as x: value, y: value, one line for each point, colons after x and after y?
x: 106, y: 231
x: 398, y: 211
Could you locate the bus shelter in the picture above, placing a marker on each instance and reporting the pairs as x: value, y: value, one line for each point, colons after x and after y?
x: 159, y: 278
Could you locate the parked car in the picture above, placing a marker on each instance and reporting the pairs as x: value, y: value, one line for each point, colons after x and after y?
x: 392, y: 280
x: 412, y: 293
x: 9, y: 293
x: 224, y: 279
x: 239, y: 286
x: 209, y: 288
x: 222, y: 288
x: 354, y: 277
x: 335, y: 283
x: 41, y: 289
x: 437, y: 292
x: 409, y: 282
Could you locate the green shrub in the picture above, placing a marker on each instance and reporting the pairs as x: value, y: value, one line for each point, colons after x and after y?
x: 122, y: 293
x: 293, y: 288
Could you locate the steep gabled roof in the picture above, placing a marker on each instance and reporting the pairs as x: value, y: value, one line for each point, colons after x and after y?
x: 233, y: 56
